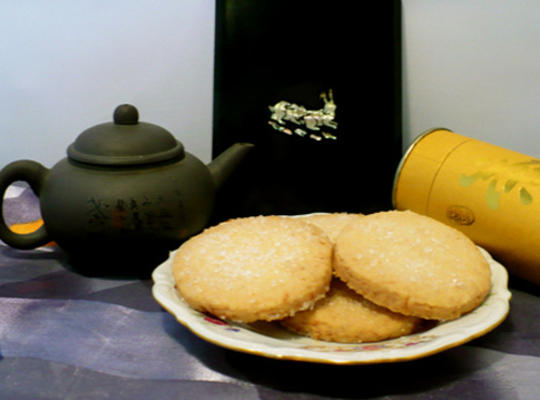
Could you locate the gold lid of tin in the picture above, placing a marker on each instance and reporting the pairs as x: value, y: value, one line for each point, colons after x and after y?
x: 421, y: 170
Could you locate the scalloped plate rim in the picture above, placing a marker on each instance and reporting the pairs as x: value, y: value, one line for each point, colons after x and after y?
x: 244, y: 338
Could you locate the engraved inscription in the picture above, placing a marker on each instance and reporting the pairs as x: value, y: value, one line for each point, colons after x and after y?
x: 131, y: 214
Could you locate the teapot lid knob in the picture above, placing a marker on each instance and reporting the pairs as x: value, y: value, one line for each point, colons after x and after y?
x: 125, y: 141
x: 126, y: 114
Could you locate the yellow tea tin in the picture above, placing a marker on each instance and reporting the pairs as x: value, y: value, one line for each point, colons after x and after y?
x: 490, y: 193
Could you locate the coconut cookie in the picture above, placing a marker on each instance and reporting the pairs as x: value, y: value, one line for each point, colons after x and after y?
x: 255, y: 268
x: 345, y: 316
x: 413, y: 265
x: 331, y: 223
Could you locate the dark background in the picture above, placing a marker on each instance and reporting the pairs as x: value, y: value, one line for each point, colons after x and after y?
x: 267, y: 51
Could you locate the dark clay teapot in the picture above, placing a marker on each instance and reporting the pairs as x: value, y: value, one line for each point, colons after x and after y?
x: 124, y: 197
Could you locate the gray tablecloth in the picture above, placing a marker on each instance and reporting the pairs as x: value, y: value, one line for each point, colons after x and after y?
x: 67, y: 336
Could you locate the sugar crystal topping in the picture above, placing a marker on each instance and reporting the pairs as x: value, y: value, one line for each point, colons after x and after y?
x: 244, y: 254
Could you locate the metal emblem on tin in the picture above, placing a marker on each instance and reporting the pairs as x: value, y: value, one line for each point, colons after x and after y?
x: 461, y: 215
x: 309, y: 123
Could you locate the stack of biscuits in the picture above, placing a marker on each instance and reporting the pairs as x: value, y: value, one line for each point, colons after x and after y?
x: 338, y: 277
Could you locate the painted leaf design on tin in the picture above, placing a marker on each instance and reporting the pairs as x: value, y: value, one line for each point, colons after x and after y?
x: 492, y: 196
x: 524, y: 196
x: 509, y: 185
x: 468, y: 180
x: 506, y: 177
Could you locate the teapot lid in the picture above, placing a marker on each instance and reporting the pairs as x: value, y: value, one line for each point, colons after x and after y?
x: 125, y: 141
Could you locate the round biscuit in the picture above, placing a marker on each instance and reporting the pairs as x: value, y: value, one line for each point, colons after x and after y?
x: 254, y: 268
x: 413, y: 265
x: 346, y: 317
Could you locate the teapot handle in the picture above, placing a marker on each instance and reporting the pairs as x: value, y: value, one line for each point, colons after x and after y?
x: 34, y: 174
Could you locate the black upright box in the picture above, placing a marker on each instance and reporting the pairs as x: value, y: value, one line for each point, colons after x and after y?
x: 316, y: 86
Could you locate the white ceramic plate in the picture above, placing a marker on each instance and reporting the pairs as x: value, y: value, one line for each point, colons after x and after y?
x: 270, y: 340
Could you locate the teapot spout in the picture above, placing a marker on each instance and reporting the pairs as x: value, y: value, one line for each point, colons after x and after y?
x: 224, y: 164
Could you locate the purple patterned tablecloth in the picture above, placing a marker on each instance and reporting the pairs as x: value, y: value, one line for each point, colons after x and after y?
x: 67, y: 336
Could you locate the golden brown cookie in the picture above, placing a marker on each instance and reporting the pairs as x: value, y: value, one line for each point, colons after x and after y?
x: 331, y: 223
x: 413, y: 265
x: 345, y: 316
x: 255, y: 268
